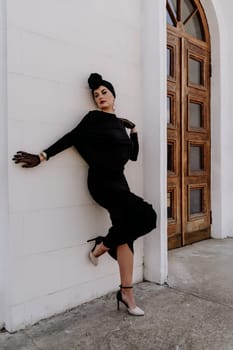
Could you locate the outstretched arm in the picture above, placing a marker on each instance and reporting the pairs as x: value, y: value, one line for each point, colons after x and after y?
x: 29, y: 160
x: 63, y: 143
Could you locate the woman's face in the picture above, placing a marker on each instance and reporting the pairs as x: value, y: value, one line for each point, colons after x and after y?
x: 104, y: 99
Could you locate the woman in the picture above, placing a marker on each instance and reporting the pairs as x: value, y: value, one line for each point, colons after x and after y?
x: 101, y: 139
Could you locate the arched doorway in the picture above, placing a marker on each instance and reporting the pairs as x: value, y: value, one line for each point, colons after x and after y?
x: 188, y: 123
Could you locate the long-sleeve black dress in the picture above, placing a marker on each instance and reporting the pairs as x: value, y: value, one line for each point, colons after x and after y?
x: 101, y: 139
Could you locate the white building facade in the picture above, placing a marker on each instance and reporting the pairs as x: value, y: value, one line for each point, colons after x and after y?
x: 48, y: 49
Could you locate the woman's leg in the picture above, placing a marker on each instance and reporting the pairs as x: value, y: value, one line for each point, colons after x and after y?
x: 125, y: 262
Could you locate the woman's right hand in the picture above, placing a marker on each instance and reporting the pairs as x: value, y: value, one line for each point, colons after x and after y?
x: 29, y: 160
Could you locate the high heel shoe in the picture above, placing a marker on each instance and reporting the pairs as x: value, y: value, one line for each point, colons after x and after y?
x: 94, y: 259
x: 136, y: 311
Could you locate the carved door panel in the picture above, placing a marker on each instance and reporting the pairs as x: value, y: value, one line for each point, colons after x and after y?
x: 188, y: 123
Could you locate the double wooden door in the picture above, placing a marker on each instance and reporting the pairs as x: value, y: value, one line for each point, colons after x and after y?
x: 188, y: 123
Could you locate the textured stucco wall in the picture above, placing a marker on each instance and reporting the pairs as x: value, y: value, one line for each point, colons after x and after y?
x: 3, y: 164
x: 52, y: 47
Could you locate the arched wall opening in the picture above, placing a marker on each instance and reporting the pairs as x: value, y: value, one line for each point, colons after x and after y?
x: 154, y: 135
x: 219, y: 106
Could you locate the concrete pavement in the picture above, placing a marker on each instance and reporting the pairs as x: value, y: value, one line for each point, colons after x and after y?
x: 194, y: 312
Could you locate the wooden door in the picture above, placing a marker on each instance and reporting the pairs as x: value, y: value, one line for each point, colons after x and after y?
x: 188, y: 123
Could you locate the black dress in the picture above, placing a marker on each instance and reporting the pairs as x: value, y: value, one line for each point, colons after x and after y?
x: 101, y: 139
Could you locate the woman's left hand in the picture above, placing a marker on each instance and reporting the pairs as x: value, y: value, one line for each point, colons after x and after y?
x: 127, y: 123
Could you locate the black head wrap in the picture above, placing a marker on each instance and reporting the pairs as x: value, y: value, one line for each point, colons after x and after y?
x: 95, y: 80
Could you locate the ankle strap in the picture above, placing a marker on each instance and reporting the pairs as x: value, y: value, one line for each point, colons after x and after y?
x: 125, y: 286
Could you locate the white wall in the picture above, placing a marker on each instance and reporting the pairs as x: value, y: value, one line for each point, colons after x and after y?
x: 53, y: 46
x: 221, y: 26
x: 3, y: 165
x: 154, y: 134
x: 225, y: 9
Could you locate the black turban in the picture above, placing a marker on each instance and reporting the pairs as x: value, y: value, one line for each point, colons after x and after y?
x: 95, y: 80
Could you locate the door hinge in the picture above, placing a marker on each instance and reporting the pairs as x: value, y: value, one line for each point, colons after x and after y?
x: 211, y: 217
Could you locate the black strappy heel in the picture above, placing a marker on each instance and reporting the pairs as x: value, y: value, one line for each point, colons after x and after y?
x: 135, y: 311
x: 98, y: 240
